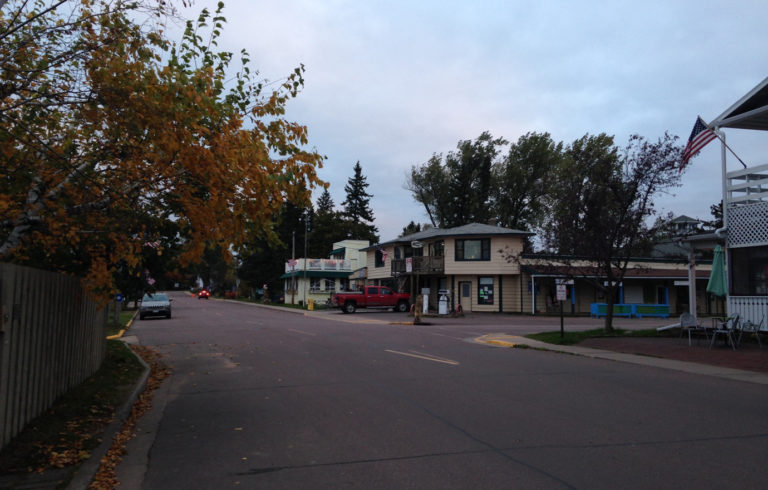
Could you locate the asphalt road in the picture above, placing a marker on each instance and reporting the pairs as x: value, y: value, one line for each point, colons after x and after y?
x: 261, y: 398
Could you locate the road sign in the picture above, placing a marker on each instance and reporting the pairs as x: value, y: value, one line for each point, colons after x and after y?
x: 561, y: 292
x: 119, y: 298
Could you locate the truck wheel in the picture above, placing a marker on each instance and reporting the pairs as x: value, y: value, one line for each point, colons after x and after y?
x: 350, y: 307
x: 402, y: 306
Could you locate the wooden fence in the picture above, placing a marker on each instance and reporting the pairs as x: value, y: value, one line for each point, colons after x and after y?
x: 52, y: 337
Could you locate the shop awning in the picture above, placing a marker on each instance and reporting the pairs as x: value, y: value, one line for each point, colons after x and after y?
x: 639, y: 273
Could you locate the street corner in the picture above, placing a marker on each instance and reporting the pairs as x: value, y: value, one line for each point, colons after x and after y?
x: 500, y: 340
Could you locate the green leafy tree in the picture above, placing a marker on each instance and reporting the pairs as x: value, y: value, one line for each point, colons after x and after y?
x: 521, y: 181
x: 456, y: 190
x: 104, y: 121
x: 429, y: 185
x: 262, y: 260
x: 601, y: 198
x: 469, y: 184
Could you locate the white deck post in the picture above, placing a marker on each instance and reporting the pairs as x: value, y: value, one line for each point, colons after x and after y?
x: 692, y: 281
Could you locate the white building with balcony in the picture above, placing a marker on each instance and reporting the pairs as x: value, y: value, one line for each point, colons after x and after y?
x: 745, y: 213
x: 318, y: 279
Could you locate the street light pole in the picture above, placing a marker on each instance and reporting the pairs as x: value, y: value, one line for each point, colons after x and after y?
x: 293, y: 269
x: 306, y: 227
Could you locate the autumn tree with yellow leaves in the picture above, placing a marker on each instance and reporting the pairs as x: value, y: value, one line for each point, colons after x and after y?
x: 108, y: 131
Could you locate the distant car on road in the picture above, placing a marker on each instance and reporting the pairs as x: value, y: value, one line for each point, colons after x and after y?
x: 204, y: 294
x: 155, y: 304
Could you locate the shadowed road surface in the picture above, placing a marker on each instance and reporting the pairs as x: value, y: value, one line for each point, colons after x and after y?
x: 271, y: 399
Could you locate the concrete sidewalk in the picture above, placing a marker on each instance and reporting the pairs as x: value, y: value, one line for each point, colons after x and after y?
x: 505, y: 340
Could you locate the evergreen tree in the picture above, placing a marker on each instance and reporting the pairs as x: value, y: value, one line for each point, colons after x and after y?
x: 717, y: 217
x: 262, y: 260
x: 357, y: 213
x: 329, y: 227
x: 325, y: 202
x: 411, y: 229
x: 357, y: 204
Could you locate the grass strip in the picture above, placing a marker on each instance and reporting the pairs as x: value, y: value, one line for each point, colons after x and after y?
x: 572, y: 338
x: 113, y: 328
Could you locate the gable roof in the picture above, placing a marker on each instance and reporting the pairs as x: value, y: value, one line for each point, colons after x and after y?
x: 472, y: 229
x: 684, y: 219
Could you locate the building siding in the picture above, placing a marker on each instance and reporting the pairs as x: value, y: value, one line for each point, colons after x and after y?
x: 498, y: 263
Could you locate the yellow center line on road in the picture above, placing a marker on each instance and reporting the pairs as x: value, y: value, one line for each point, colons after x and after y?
x: 426, y: 357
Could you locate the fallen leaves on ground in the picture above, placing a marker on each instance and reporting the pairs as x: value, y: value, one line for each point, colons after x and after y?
x: 106, y: 478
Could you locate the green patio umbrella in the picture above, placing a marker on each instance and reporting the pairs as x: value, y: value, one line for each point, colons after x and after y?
x: 717, y: 284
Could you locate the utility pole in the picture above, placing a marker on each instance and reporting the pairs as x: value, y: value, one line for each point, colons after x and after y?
x: 306, y: 227
x: 293, y: 269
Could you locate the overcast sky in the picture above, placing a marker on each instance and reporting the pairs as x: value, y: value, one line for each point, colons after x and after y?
x: 389, y: 83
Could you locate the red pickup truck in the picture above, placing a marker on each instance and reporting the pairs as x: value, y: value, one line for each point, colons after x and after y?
x: 372, y: 297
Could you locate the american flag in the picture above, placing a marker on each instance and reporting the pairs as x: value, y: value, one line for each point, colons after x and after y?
x: 700, y: 136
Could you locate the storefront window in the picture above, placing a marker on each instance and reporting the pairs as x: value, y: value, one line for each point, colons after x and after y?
x: 485, y: 290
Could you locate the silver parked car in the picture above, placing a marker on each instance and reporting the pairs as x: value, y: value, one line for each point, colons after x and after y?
x: 155, y: 304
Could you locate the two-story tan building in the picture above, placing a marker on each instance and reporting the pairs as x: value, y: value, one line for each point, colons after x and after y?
x: 481, y: 268
x: 468, y: 263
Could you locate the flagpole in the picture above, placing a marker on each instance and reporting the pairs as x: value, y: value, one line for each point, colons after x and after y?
x: 724, y: 208
x: 722, y: 140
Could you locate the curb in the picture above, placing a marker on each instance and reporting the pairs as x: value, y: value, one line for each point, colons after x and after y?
x: 123, y: 330
x: 269, y: 307
x: 504, y: 340
x: 87, y: 471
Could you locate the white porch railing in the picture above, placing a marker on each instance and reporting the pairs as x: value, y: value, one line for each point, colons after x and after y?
x: 749, y: 185
x: 318, y: 265
x: 750, y: 308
